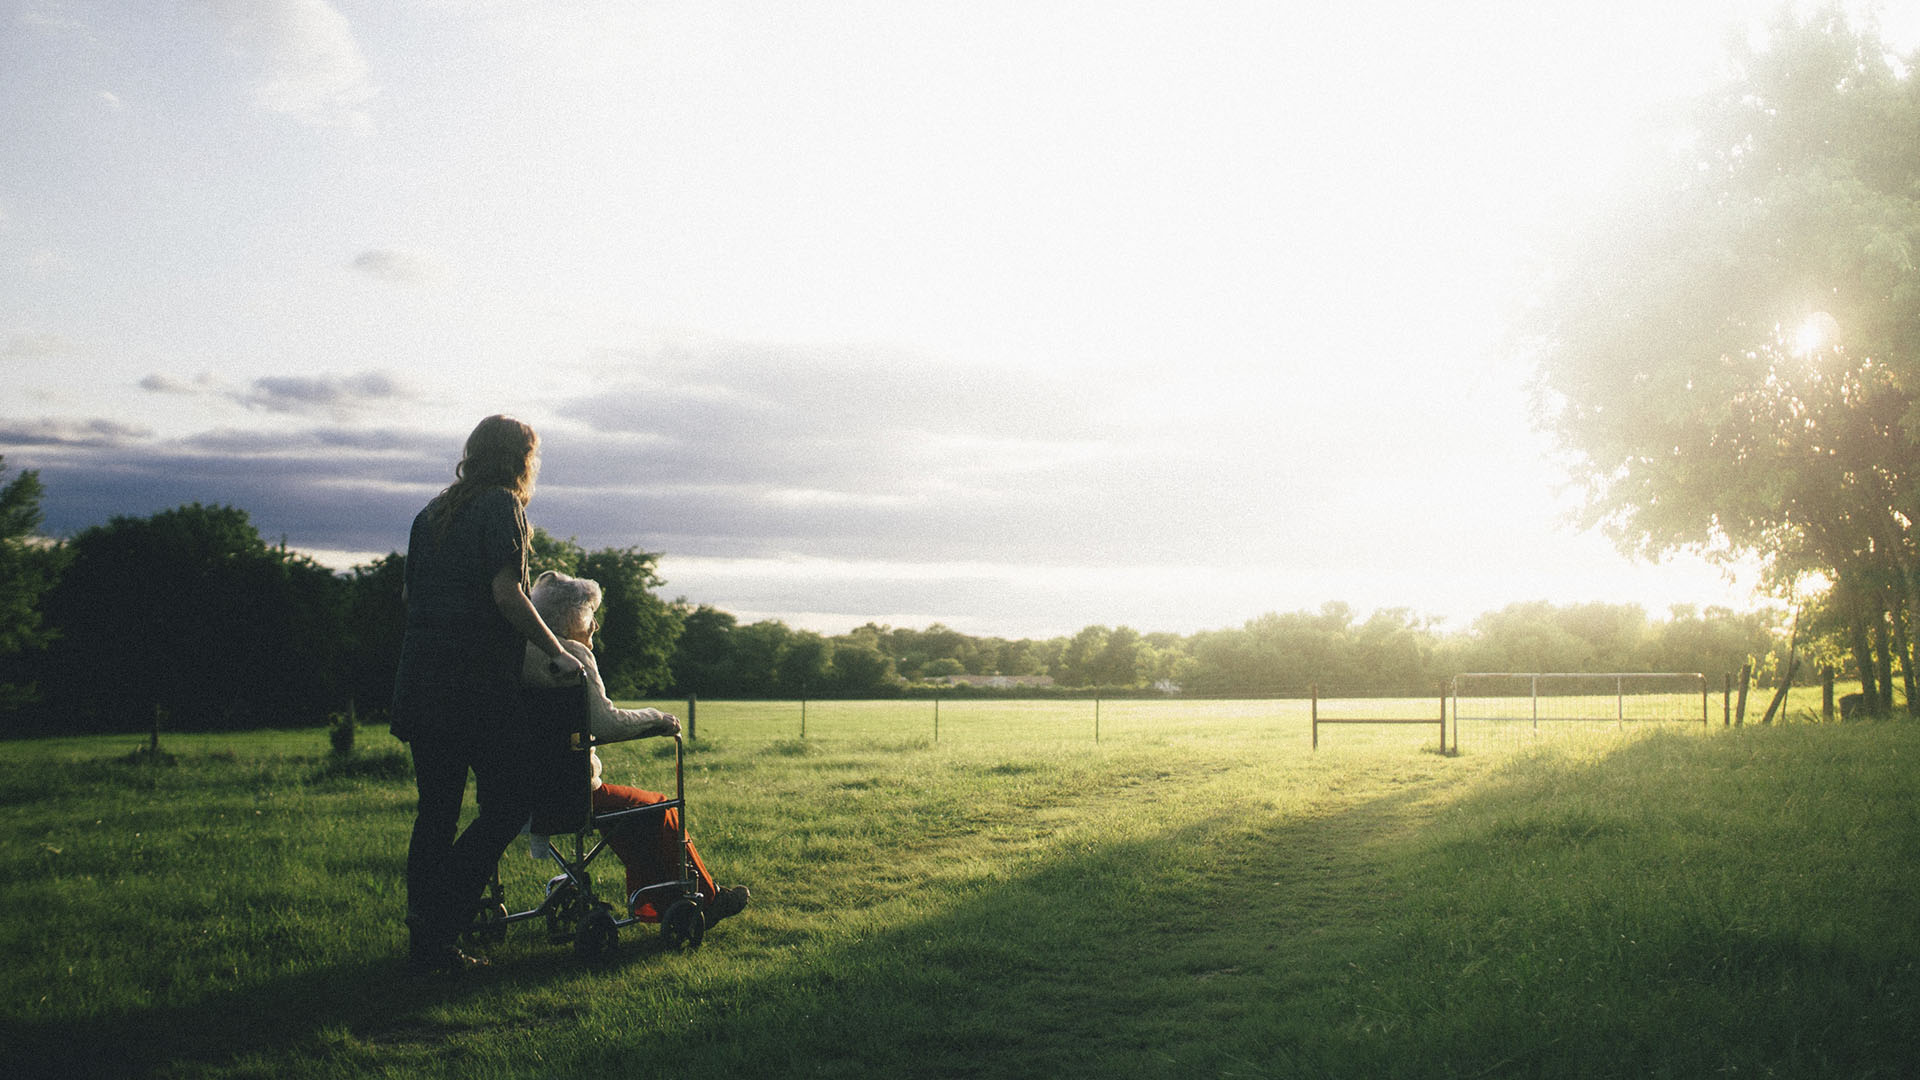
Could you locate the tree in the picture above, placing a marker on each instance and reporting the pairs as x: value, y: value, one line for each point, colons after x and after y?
x: 1079, y: 662
x: 803, y: 664
x: 638, y: 630
x: 703, y: 661
x: 757, y: 651
x: 1730, y: 356
x: 28, y: 568
x: 859, y: 666
x: 376, y: 625
x: 1116, y: 664
x: 860, y: 662
x: 190, y: 612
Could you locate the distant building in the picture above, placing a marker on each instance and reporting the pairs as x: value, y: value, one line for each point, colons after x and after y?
x: 996, y: 682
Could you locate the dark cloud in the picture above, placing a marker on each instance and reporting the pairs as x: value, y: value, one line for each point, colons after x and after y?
x: 307, y: 394
x: 754, y: 453
x: 158, y: 383
x: 305, y: 442
x: 323, y: 488
x: 47, y: 432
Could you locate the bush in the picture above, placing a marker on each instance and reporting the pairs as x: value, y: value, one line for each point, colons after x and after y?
x: 341, y: 732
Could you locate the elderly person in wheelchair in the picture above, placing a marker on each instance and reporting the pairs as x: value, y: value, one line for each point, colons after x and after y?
x: 651, y: 851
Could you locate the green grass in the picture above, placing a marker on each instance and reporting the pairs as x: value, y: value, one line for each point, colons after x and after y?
x: 1195, y: 894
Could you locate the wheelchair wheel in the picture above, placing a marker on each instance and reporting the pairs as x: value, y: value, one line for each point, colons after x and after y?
x: 596, y: 934
x: 683, y: 924
x: 489, y: 925
x: 564, y: 908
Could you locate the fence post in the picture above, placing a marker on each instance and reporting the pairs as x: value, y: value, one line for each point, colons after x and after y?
x: 1456, y: 709
x: 1443, y: 721
x: 1826, y: 693
x: 1096, y: 718
x: 1746, y: 680
x: 692, y: 708
x: 803, y: 718
x: 1313, y: 690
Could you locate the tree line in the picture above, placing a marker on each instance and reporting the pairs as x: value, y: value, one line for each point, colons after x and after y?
x: 189, y: 618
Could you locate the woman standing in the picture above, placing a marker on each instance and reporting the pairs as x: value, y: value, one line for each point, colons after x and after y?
x: 455, y: 695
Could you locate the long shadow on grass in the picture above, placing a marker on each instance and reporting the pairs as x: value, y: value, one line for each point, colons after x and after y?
x: 376, y: 1005
x: 1186, y: 954
x: 1285, y: 947
x: 1101, y: 955
x: 1243, y: 945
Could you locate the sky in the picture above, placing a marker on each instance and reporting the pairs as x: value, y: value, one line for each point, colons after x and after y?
x: 1012, y: 316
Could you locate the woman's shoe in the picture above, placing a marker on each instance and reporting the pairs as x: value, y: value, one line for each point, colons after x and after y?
x: 731, y: 901
x: 448, y: 960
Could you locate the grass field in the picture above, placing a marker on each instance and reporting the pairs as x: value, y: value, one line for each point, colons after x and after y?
x: 1196, y: 893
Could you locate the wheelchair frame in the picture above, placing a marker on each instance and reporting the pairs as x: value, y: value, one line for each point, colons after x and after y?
x: 571, y: 910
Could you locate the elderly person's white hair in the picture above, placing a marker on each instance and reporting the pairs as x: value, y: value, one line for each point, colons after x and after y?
x: 565, y: 603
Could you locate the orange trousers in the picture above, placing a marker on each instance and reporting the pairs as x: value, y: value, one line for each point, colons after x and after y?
x: 650, y: 847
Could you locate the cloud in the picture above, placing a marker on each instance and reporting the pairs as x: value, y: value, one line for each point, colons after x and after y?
x: 752, y: 452
x: 158, y: 383
x: 39, y: 347
x: 305, y: 443
x: 311, y: 66
x: 303, y: 394
x: 389, y: 264
x: 52, y: 432
x: 826, y: 420
x: 333, y: 488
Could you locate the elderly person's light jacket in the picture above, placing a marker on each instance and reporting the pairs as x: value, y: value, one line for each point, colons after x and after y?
x: 567, y: 605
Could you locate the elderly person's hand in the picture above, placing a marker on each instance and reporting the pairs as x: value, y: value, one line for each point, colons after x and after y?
x: 668, y: 724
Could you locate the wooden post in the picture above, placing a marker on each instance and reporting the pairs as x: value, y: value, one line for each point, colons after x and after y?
x: 1096, y: 718
x: 1443, y: 721
x: 803, y: 718
x: 693, y: 703
x: 1746, y: 680
x: 1826, y: 693
x: 1780, y: 694
x: 1726, y: 699
x: 1313, y: 690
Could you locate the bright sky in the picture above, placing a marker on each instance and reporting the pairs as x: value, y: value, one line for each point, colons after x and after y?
x: 1016, y: 316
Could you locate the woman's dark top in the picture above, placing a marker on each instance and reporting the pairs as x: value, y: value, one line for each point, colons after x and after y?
x: 460, y: 659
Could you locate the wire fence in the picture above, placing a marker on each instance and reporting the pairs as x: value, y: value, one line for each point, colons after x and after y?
x: 1311, y: 720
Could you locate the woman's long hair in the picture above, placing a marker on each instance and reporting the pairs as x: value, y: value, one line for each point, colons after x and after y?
x: 501, y: 453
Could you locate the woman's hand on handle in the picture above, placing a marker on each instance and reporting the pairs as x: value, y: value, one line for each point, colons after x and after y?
x: 518, y: 611
x: 566, y: 666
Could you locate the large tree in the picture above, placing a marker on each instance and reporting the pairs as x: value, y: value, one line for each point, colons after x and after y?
x: 29, y: 565
x: 192, y: 613
x: 1729, y: 353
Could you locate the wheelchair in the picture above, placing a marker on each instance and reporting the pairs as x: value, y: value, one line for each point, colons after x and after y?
x: 562, y: 771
